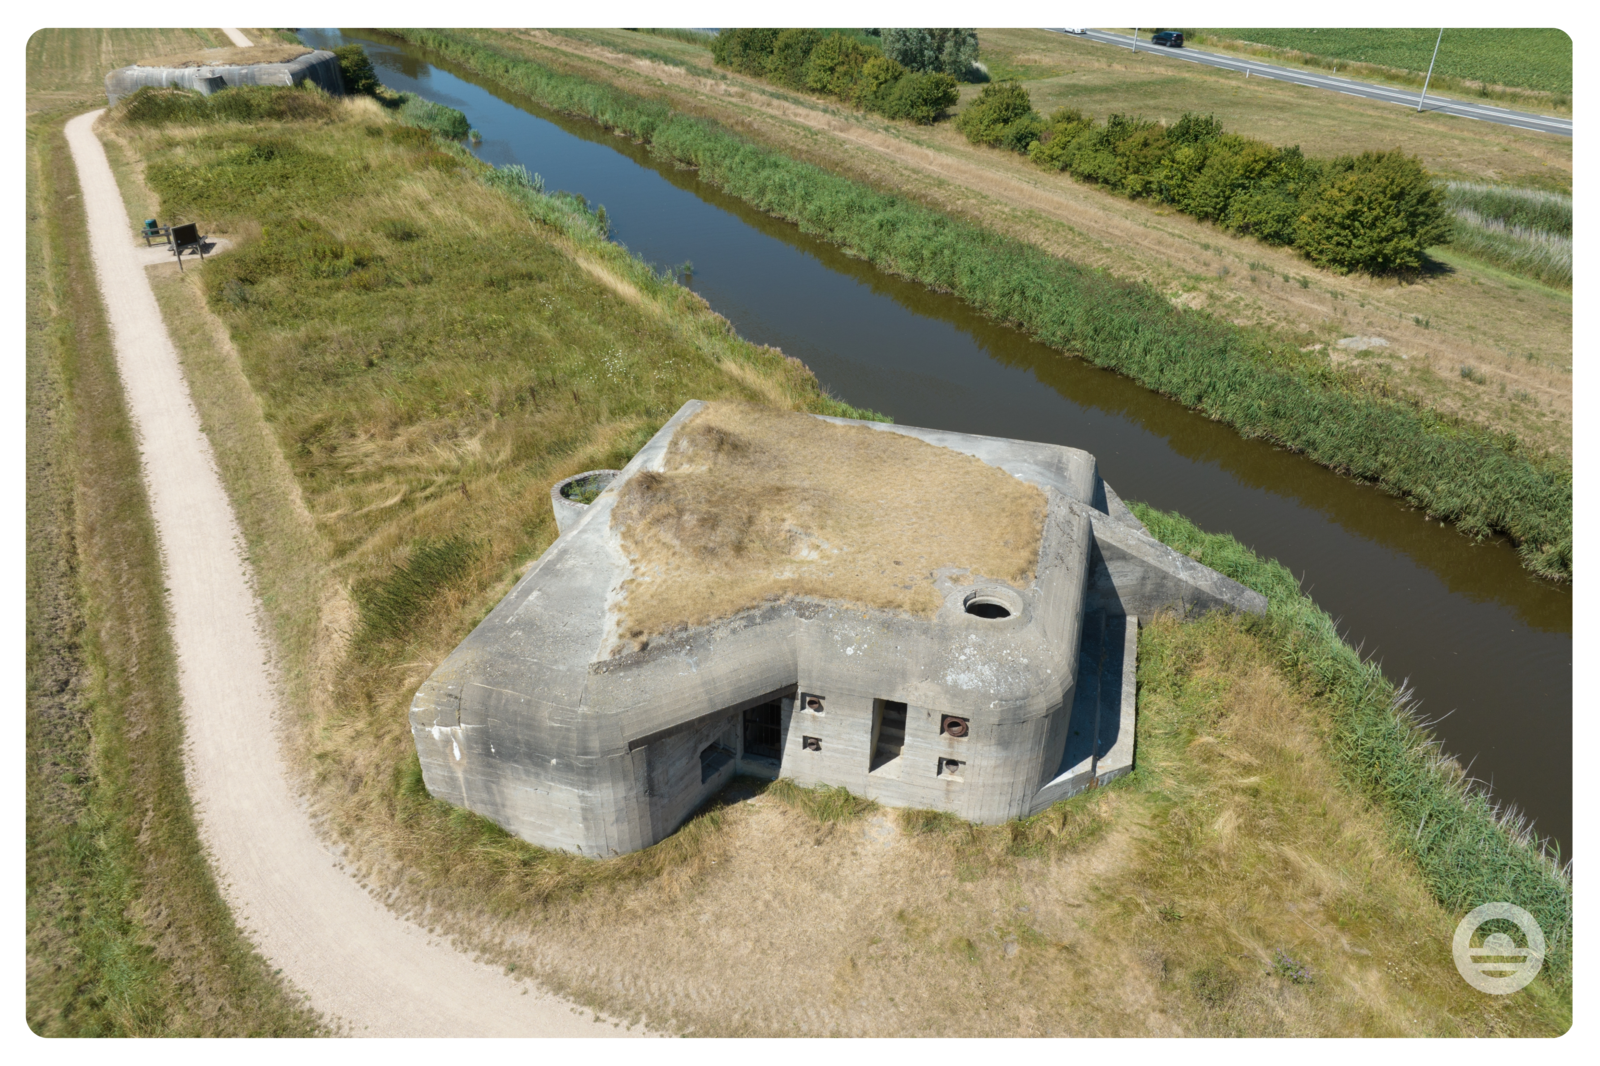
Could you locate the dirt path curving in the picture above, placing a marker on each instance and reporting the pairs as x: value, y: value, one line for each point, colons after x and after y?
x: 370, y: 972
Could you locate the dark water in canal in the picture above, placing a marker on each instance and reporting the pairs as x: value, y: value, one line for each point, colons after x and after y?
x: 1480, y: 641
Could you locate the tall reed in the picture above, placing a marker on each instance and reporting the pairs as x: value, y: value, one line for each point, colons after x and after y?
x: 1533, y: 253
x: 1526, y: 231
x: 1533, y: 208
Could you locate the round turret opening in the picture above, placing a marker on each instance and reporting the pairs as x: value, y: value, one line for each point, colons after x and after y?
x: 583, y: 488
x: 989, y: 604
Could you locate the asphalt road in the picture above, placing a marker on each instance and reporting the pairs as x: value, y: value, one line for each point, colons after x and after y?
x: 1407, y: 97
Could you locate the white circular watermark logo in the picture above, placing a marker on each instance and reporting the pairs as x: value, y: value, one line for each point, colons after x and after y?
x: 1496, y: 964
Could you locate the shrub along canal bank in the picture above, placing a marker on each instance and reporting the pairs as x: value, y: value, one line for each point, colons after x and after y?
x: 1465, y: 625
x: 1250, y: 379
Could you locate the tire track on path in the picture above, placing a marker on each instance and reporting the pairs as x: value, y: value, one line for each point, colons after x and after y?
x: 369, y: 971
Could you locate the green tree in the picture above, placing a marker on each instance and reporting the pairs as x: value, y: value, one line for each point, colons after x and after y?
x: 835, y: 65
x: 355, y: 70
x: 790, y: 51
x: 744, y: 50
x: 921, y: 98
x: 878, y: 75
x: 985, y: 120
x: 1377, y: 213
x: 949, y: 52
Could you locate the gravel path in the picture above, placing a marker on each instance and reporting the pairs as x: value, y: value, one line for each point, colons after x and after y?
x: 360, y: 964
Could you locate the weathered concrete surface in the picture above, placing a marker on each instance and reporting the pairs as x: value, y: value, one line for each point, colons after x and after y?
x: 543, y: 721
x: 318, y: 67
x: 1135, y: 574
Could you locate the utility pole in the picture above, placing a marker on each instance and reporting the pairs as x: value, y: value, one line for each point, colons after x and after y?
x: 1136, y: 39
x: 1429, y: 78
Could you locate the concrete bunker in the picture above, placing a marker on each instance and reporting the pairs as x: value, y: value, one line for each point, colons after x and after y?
x: 772, y: 593
x: 213, y: 69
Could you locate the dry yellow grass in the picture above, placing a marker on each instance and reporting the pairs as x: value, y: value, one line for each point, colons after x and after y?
x: 756, y: 505
x: 229, y: 57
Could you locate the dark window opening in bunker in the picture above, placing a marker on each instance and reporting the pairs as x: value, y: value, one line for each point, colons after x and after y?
x: 712, y: 759
x: 891, y: 731
x: 762, y: 729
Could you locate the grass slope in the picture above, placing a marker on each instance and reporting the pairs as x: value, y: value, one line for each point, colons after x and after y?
x: 1470, y: 850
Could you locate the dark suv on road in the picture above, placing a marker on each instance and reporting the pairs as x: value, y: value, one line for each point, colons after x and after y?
x: 1170, y: 38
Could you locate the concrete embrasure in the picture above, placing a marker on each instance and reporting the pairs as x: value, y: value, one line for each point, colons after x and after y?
x: 548, y: 721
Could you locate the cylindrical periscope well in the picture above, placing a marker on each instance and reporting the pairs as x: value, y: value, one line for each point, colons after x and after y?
x: 571, y: 497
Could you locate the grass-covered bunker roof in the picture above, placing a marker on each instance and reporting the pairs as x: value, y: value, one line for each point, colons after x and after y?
x: 754, y: 505
x: 229, y: 57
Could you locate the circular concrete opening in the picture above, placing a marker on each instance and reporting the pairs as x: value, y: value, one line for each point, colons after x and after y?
x: 986, y: 605
x: 583, y: 488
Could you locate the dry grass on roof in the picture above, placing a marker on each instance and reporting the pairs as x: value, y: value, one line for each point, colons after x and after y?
x: 229, y: 57
x: 756, y: 505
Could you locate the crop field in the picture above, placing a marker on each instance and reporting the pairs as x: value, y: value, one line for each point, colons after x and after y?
x: 1526, y: 58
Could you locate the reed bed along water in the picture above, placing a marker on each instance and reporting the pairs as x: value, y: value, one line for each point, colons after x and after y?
x: 1526, y: 231
x: 1257, y: 382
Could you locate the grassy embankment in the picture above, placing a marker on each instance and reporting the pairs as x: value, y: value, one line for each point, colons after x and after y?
x: 1522, y: 68
x: 1248, y: 378
x: 126, y: 932
x: 1515, y: 334
x: 415, y: 359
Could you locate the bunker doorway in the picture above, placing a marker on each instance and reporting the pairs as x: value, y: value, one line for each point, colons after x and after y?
x: 763, y: 729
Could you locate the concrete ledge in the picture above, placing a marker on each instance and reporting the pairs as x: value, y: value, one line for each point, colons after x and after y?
x: 1100, y: 736
x: 1114, y: 759
x: 1133, y: 573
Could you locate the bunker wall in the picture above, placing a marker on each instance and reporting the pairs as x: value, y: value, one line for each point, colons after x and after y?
x: 321, y: 68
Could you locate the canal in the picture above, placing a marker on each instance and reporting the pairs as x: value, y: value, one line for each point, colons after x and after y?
x: 1486, y: 648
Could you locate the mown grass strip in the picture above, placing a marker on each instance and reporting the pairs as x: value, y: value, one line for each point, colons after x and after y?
x: 1251, y: 380
x: 1470, y: 849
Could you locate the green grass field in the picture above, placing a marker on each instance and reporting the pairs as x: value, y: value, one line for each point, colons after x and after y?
x: 1538, y: 59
